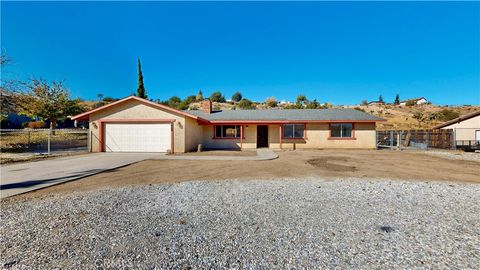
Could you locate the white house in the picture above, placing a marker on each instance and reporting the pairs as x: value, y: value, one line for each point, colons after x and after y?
x: 467, y: 127
x: 418, y: 101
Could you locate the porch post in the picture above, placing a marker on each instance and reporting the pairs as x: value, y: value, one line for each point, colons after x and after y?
x: 172, y: 138
x: 241, y: 137
x: 281, y: 129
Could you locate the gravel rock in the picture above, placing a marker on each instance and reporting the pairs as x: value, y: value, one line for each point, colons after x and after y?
x: 307, y: 223
x: 458, y: 155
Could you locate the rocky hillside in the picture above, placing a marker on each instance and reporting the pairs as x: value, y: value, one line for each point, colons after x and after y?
x: 414, y: 117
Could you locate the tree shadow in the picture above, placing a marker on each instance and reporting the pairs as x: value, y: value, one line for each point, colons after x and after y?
x: 63, y: 179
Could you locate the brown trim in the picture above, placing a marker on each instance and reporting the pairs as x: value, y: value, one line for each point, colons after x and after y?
x: 341, y: 138
x: 262, y: 122
x: 172, y: 140
x: 281, y: 132
x: 102, y: 123
x: 241, y: 136
x: 83, y: 116
x: 137, y: 120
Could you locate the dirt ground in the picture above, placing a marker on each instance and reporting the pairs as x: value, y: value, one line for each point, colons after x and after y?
x: 370, y: 164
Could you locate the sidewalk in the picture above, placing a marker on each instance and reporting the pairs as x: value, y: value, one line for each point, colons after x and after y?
x: 262, y: 154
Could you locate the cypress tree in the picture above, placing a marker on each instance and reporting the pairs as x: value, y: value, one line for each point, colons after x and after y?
x: 141, y: 88
x: 397, y: 100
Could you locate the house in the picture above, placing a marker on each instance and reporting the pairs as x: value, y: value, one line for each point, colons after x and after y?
x: 467, y: 127
x: 134, y: 124
x: 376, y: 102
x: 416, y: 101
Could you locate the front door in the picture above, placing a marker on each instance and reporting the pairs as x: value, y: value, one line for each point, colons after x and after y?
x: 262, y: 136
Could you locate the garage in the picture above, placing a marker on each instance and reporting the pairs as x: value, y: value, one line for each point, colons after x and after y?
x: 137, y: 137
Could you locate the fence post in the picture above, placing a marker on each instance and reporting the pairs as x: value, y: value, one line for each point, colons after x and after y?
x: 454, y: 139
x: 391, y: 138
x: 427, y: 139
x: 49, y: 139
x: 399, y: 140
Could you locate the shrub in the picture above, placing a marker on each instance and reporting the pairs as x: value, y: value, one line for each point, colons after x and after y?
x: 36, y: 125
x: 190, y: 99
x: 182, y: 105
x: 109, y: 99
x: 217, y: 97
x: 359, y: 109
x: 245, y: 104
x: 447, y: 115
x: 411, y: 103
x: 237, y: 97
x: 271, y: 102
x: 174, y: 102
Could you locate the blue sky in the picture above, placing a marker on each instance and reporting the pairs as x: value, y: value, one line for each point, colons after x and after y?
x: 337, y: 52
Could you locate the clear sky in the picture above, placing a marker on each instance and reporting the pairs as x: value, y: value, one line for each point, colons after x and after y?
x: 336, y: 52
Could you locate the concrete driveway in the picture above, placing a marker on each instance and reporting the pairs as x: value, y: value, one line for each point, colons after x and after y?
x: 24, y: 177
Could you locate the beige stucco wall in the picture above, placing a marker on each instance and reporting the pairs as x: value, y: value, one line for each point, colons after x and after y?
x: 133, y: 109
x: 249, y: 142
x: 318, y: 134
x: 465, y: 130
x: 193, y: 134
x: 317, y: 138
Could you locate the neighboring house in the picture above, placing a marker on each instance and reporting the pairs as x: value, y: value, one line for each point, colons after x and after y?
x: 418, y: 101
x: 467, y: 127
x: 137, y: 125
x: 376, y: 102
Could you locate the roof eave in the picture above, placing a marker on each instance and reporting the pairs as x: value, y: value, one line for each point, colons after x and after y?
x: 287, y: 121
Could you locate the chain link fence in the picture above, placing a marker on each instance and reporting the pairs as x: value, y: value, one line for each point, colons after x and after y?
x: 43, y: 141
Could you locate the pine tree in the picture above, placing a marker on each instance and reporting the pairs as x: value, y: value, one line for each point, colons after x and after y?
x: 141, y: 88
x: 199, y: 96
x: 397, y: 100
x: 380, y: 99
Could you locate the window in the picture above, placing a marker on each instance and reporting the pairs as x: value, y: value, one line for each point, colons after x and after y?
x: 343, y: 130
x: 293, y: 131
x: 227, y: 131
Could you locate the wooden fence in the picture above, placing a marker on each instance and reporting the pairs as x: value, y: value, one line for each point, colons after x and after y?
x: 417, y: 138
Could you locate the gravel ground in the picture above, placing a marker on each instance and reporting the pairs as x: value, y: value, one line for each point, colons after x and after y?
x: 459, y: 155
x: 313, y: 223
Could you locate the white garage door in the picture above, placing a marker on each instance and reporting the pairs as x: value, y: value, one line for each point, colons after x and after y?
x: 125, y: 137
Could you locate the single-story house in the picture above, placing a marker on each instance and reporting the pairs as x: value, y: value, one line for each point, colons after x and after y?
x: 416, y: 101
x: 134, y: 124
x: 376, y: 102
x: 467, y: 127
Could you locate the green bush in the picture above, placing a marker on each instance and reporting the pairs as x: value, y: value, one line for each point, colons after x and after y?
x: 217, y: 97
x: 237, y: 97
x: 245, y: 104
x: 447, y: 115
x: 411, y: 103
